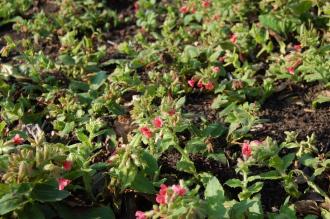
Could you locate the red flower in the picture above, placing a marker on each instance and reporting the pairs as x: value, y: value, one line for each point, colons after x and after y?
x: 179, y: 190
x: 216, y: 17
x: 136, y: 6
x: 62, y: 183
x: 222, y: 59
x: 161, y: 196
x: 291, y: 70
x: 297, y: 47
x: 193, y: 9
x: 246, y: 150
x: 171, y: 112
x: 200, y: 84
x: 140, y: 215
x: 233, y: 39
x: 67, y: 165
x: 215, y: 69
x: 158, y: 122
x: 146, y: 132
x: 191, y: 82
x: 184, y: 10
x: 206, y: 3
x: 209, y: 85
x: 17, y: 139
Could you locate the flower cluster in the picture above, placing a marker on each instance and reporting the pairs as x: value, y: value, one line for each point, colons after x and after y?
x: 157, y: 123
x: 233, y: 38
x: 62, y: 182
x: 17, y: 139
x: 208, y: 86
x: 165, y: 196
x: 247, y: 149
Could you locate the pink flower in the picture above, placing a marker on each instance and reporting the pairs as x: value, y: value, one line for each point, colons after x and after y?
x: 209, y: 86
x: 171, y: 112
x: 193, y: 9
x: 62, y: 183
x: 291, y: 70
x: 200, y: 84
x: 17, y: 139
x: 215, y: 69
x: 246, y: 150
x: 67, y: 165
x: 191, y: 82
x: 146, y: 132
x: 222, y: 59
x: 216, y: 17
x: 136, y: 6
x: 233, y: 39
x: 140, y: 215
x: 179, y: 190
x: 158, y: 122
x: 184, y: 10
x: 297, y: 47
x: 206, y: 3
x: 161, y: 196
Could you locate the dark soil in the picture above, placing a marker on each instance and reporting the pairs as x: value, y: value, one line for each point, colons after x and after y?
x: 198, y: 105
x: 291, y: 110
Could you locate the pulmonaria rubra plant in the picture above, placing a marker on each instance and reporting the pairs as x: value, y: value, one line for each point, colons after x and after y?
x: 191, y: 82
x: 67, y: 165
x: 209, y: 86
x: 246, y: 150
x: 146, y: 132
x: 206, y: 3
x: 171, y: 198
x: 157, y: 122
x: 233, y: 38
x: 215, y: 69
x: 184, y: 9
x: 62, y: 183
x: 17, y: 139
x: 291, y: 70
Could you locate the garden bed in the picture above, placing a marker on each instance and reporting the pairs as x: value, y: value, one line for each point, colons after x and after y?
x: 164, y: 109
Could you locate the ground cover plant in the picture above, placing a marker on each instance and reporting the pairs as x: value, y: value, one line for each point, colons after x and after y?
x: 164, y: 109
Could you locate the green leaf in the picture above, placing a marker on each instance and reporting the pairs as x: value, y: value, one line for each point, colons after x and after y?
x: 152, y: 165
x: 66, y: 59
x: 234, y: 183
x: 287, y: 160
x: 98, y: 80
x: 97, y: 213
x: 48, y: 193
x: 300, y: 7
x: 320, y: 99
x: 270, y: 175
x: 31, y: 211
x: 2, y: 126
x: 255, y: 187
x: 270, y: 21
x: 11, y: 202
x: 215, y: 197
x: 180, y: 103
x: 195, y: 145
x: 115, y: 108
x: 186, y: 165
x: 166, y: 142
x: 214, y: 130
x: 83, y: 138
x: 142, y: 184
x: 191, y: 52
x: 240, y: 208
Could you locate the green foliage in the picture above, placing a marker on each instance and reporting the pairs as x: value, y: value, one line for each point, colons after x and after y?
x: 118, y: 98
